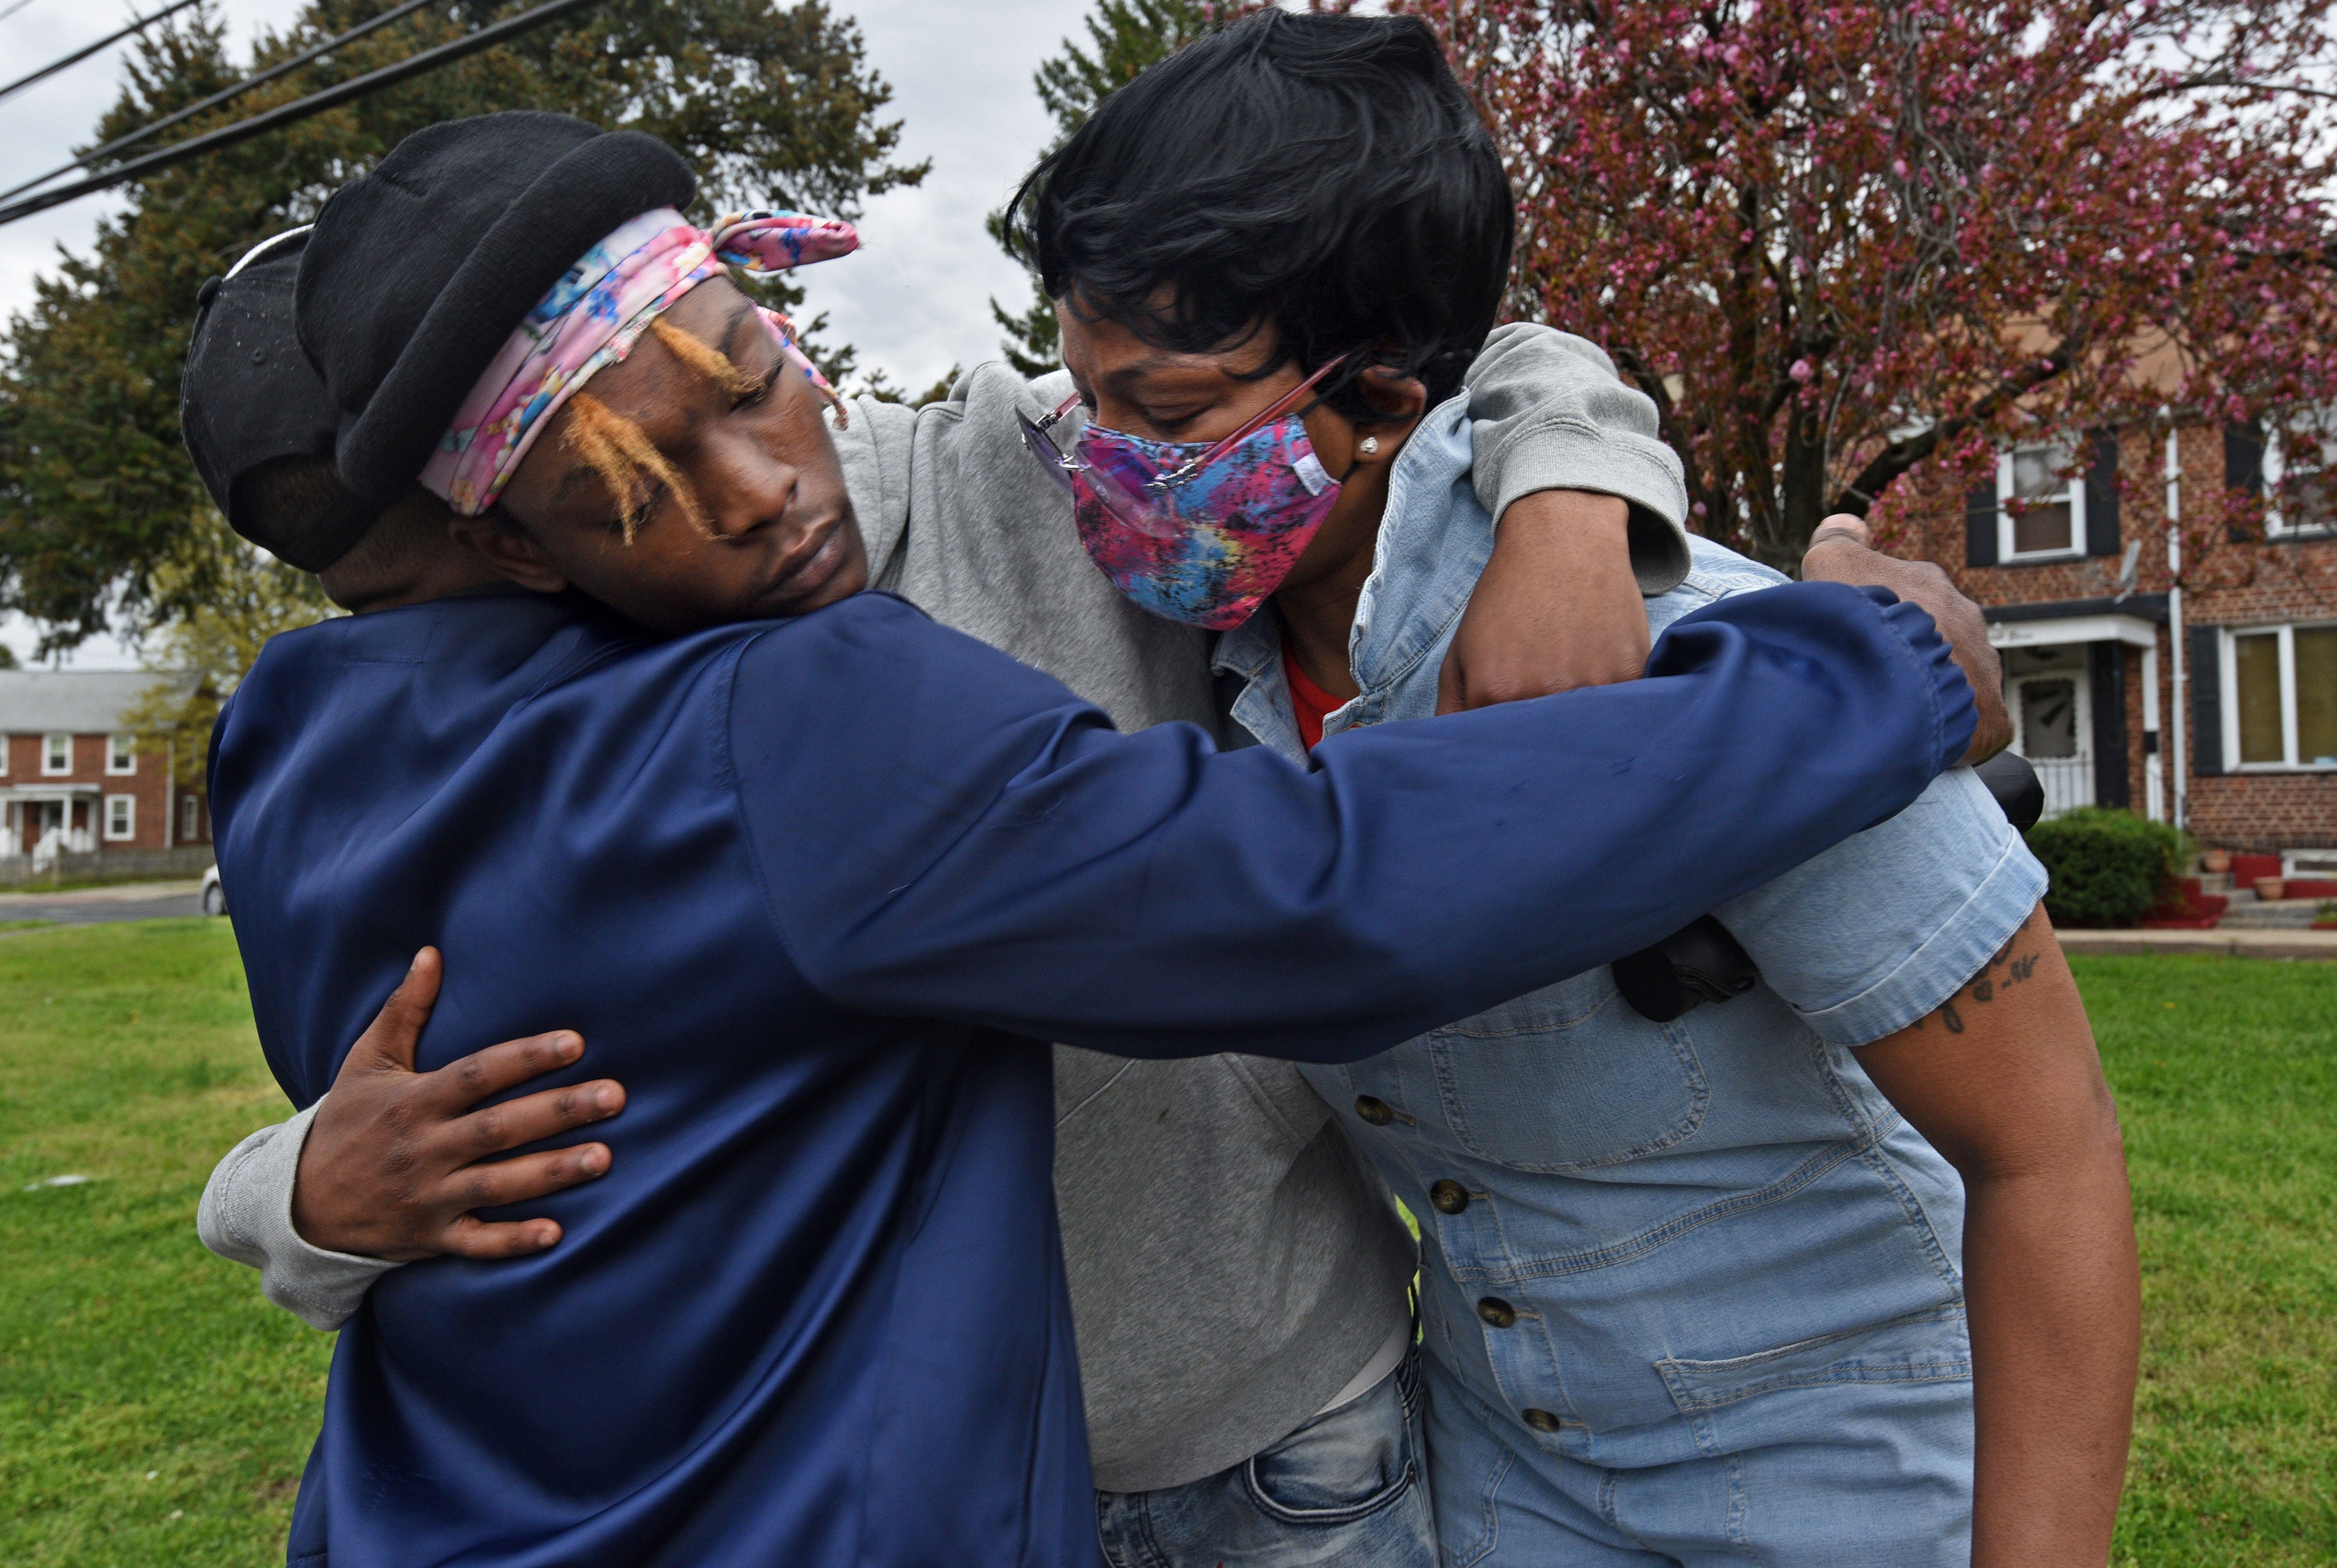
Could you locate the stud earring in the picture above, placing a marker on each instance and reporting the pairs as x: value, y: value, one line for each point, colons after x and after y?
x: 1369, y: 446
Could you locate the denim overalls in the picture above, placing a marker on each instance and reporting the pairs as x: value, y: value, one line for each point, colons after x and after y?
x: 1691, y: 1291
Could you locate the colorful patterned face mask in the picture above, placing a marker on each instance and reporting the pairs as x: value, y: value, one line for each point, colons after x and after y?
x: 1196, y: 531
x: 592, y: 318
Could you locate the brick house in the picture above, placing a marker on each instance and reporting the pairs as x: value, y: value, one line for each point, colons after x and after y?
x: 74, y: 782
x: 2236, y: 738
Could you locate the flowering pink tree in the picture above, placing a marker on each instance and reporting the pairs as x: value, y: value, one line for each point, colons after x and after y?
x: 1839, y: 242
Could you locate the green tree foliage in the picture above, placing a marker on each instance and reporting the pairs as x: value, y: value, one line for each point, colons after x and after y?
x: 1124, y: 36
x: 99, y: 511
x: 248, y: 595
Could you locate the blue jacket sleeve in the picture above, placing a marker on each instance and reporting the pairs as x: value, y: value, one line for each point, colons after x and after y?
x: 943, y: 832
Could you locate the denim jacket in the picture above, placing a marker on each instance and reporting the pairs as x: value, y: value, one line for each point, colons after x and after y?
x: 1631, y: 1229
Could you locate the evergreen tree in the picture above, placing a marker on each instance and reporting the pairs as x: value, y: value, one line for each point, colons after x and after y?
x: 1124, y: 36
x: 100, y: 510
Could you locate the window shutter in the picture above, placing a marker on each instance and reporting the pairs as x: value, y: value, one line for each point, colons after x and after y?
x: 2244, y: 451
x: 2106, y: 673
x: 1980, y: 525
x: 2206, y: 677
x: 2102, y: 497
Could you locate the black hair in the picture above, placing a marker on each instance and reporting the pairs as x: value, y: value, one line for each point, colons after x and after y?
x: 1326, y: 174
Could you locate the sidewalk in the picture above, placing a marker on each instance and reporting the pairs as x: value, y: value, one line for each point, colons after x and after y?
x: 2242, y: 943
x: 97, y: 906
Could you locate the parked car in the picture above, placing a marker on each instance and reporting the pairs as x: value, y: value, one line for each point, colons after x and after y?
x: 214, y: 896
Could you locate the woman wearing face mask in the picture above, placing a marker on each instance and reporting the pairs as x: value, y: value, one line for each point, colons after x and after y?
x: 1837, y: 1271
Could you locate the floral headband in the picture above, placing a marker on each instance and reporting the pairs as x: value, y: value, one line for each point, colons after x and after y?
x: 592, y: 318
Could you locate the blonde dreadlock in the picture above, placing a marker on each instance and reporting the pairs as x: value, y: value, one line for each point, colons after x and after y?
x: 715, y: 365
x: 623, y: 454
x: 705, y: 359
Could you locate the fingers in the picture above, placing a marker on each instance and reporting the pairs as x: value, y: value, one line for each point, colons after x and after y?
x: 1843, y: 525
x: 465, y: 1081
x: 492, y: 1184
x: 472, y: 1237
x: 389, y: 1041
x: 535, y: 1116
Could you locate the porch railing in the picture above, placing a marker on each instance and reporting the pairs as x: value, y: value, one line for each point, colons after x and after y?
x: 2069, y: 782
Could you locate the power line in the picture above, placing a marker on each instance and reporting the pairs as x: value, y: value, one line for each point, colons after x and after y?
x: 89, y: 159
x: 78, y: 55
x: 298, y: 109
x: 14, y: 7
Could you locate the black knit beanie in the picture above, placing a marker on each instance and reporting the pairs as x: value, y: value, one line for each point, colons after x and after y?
x: 419, y: 272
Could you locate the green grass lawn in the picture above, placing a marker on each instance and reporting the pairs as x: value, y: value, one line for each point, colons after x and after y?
x: 127, y: 1352
x: 2227, y: 1076
x: 154, y: 1408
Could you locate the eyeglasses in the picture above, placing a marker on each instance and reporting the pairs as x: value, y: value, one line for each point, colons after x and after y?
x: 1138, y: 499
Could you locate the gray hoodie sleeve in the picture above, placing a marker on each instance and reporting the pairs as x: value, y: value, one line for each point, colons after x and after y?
x: 1548, y: 412
x: 247, y: 1217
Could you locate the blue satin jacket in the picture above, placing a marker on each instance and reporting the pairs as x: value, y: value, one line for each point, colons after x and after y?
x: 813, y: 890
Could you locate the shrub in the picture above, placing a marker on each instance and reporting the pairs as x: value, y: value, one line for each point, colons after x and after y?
x: 2106, y: 866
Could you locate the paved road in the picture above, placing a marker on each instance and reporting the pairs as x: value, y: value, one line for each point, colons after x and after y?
x: 136, y: 901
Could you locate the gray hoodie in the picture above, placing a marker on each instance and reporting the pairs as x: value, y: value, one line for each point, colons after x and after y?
x: 1234, y: 1267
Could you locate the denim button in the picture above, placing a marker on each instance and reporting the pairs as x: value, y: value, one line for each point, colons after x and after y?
x: 1449, y: 1196
x: 1497, y: 1312
x: 1542, y: 1420
x: 1378, y: 1113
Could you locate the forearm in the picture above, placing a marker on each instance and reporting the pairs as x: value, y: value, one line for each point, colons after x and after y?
x: 1556, y: 609
x: 2004, y: 1080
x: 1146, y: 895
x: 2055, y: 1305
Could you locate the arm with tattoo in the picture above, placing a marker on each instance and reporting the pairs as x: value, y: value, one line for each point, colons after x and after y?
x: 2004, y: 1081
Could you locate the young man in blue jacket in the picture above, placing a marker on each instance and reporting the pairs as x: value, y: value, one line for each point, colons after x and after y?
x: 812, y: 886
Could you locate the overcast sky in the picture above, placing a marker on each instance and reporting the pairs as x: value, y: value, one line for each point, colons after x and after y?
x: 915, y: 300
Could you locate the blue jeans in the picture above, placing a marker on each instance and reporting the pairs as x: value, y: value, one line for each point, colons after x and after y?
x: 1346, y: 1490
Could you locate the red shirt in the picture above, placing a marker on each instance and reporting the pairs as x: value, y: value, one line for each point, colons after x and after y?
x: 1309, y: 702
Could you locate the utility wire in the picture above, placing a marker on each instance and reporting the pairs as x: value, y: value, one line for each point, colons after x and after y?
x: 91, y: 159
x: 298, y: 109
x: 15, y: 7
x: 78, y: 55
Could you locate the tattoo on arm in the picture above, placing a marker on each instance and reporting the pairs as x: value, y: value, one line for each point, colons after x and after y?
x: 1990, y: 983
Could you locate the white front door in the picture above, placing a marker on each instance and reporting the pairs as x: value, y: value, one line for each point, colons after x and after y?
x: 2052, y: 727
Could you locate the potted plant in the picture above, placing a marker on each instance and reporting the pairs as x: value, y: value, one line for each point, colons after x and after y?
x: 2324, y: 917
x: 2215, y: 862
x: 2272, y: 890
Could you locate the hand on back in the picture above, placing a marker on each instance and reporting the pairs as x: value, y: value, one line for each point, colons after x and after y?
x: 396, y: 1162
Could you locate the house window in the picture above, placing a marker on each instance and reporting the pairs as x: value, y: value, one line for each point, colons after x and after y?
x: 187, y: 819
x: 120, y: 754
x: 2280, y: 696
x: 5, y: 740
x: 56, y: 753
x: 2051, y: 503
x: 121, y: 817
x: 2299, y: 474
